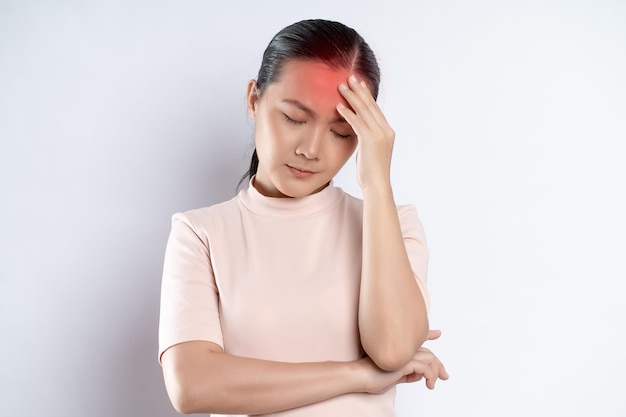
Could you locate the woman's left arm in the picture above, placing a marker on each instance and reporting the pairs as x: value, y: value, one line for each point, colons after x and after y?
x: 393, y: 320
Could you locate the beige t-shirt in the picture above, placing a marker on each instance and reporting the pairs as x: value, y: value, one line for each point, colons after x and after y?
x: 278, y: 279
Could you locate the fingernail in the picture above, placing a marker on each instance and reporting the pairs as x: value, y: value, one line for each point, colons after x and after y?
x: 342, y: 86
x: 353, y: 78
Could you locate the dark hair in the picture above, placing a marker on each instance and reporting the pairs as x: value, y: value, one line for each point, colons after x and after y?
x: 331, y: 43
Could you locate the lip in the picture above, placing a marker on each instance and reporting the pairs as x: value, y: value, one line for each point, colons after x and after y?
x: 300, y: 172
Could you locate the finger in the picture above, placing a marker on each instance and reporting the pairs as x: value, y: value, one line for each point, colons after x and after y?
x: 358, y: 106
x: 424, y: 369
x: 431, y: 374
x: 372, y: 121
x: 360, y: 98
x: 439, y: 372
x: 363, y: 92
x: 433, y: 334
x: 427, y: 358
x: 355, y: 122
x: 413, y: 378
x: 430, y: 383
x: 443, y: 374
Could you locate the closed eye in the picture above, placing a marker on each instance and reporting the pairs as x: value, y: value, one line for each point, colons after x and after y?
x: 339, y: 135
x: 292, y: 121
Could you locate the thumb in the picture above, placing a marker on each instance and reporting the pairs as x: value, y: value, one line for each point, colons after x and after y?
x: 433, y: 334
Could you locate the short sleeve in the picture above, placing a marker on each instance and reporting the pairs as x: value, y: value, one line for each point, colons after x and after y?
x: 189, y: 295
x: 415, y: 243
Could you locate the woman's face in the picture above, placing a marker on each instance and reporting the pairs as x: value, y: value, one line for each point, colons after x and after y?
x: 301, y: 140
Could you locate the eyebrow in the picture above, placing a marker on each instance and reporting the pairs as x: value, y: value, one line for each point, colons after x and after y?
x: 309, y: 111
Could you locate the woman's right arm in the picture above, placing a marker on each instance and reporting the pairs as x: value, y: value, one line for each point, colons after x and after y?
x: 200, y: 378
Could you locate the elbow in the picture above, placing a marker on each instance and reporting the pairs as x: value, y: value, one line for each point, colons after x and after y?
x: 184, y: 393
x: 391, y: 359
x: 187, y: 396
x: 394, y: 355
x: 181, y: 399
x: 187, y: 400
x: 181, y: 407
x: 188, y: 387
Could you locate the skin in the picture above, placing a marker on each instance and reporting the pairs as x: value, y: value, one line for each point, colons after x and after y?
x: 299, y: 126
x: 333, y: 114
x: 393, y: 320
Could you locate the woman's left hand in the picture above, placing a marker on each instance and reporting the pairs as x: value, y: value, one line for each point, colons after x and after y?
x: 375, y: 136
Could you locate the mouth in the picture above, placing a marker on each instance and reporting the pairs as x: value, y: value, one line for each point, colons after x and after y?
x: 300, y: 172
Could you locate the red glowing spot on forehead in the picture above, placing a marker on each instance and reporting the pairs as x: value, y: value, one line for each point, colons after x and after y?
x: 315, y: 85
x: 328, y: 81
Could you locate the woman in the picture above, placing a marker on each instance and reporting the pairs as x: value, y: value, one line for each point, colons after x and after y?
x: 295, y: 298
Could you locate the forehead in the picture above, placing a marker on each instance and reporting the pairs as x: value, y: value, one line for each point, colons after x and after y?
x: 310, y: 80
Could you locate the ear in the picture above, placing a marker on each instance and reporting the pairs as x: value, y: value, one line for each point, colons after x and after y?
x: 252, y: 97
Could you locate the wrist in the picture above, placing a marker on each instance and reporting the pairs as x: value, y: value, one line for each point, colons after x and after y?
x: 358, y: 375
x: 379, y: 190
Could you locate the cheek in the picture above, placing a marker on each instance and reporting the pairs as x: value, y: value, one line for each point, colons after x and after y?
x: 342, y: 150
x: 264, y: 129
x: 270, y: 136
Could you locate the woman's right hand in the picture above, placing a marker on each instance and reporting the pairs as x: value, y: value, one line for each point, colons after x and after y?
x: 424, y: 364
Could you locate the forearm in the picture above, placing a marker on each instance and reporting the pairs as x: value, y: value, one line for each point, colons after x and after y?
x: 201, y: 381
x: 393, y: 320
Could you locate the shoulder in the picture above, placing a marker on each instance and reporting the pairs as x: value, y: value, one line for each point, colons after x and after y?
x: 220, y: 209
x: 201, y: 220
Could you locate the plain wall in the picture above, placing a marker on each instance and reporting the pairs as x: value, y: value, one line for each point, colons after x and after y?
x: 510, y: 122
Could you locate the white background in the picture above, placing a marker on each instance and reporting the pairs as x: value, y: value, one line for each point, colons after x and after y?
x: 510, y: 121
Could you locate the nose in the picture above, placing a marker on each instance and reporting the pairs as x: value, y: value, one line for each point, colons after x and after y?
x: 310, y: 144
